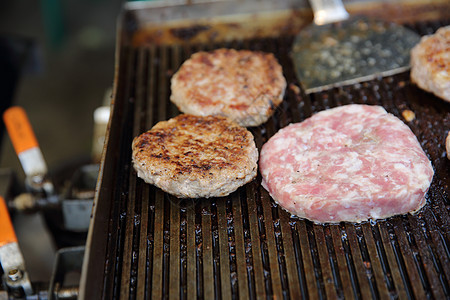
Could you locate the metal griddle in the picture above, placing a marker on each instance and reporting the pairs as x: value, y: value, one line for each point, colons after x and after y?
x: 145, y: 243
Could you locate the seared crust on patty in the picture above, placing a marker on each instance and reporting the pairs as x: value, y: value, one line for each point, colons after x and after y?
x: 194, y: 157
x: 244, y: 85
x: 430, y: 63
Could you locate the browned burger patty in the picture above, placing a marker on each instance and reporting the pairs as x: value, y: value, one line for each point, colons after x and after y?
x: 430, y: 63
x: 194, y: 157
x: 244, y: 85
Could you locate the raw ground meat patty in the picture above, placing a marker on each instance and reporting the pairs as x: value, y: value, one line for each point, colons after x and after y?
x: 350, y: 163
x: 193, y: 157
x: 245, y: 86
x: 430, y: 63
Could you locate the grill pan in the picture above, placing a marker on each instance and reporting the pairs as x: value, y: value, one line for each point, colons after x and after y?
x: 144, y: 243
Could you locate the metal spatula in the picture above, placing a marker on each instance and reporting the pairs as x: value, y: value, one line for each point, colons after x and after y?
x: 339, y: 50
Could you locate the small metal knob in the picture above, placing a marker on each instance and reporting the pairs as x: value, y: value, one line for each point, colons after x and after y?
x: 15, y: 274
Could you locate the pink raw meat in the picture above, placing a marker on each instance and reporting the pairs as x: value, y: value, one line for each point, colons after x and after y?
x: 350, y: 163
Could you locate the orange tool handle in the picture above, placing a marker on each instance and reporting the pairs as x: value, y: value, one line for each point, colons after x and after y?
x: 19, y: 129
x: 7, y: 234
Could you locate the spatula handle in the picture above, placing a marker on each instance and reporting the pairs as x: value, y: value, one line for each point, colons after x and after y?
x: 328, y: 11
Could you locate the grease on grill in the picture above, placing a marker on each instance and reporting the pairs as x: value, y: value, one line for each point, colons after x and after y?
x: 187, y: 33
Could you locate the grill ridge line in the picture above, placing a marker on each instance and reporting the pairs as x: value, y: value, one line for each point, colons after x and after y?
x: 271, y: 240
x: 174, y: 254
x: 323, y: 258
x: 166, y: 247
x: 112, y: 265
x: 183, y: 249
x: 343, y: 268
x: 158, y: 253
x: 258, y: 270
x: 198, y: 248
x: 191, y: 257
x: 207, y: 251
x: 224, y: 249
x: 333, y: 261
x: 279, y: 246
x: 291, y: 263
x: 317, y: 269
x: 136, y: 250
x: 232, y: 247
x: 144, y: 195
x: 241, y: 264
x: 425, y: 254
x: 131, y: 182
x: 163, y: 93
x: 350, y: 261
x: 157, y: 276
x: 417, y: 259
x: 300, y: 268
x: 382, y: 255
x: 358, y: 264
x: 396, y: 247
x: 149, y: 241
x: 308, y: 266
x: 407, y: 257
x: 441, y: 248
x: 375, y: 261
x: 394, y: 267
x: 249, y: 266
x: 215, y: 248
x: 265, y: 257
x: 367, y: 261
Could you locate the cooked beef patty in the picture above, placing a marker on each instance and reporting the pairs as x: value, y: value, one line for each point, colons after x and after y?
x: 194, y: 157
x: 244, y: 85
x: 430, y: 63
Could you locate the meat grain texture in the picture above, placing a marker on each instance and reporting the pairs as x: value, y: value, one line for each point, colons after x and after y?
x: 245, y: 86
x: 350, y: 163
x: 430, y: 63
x: 195, y: 157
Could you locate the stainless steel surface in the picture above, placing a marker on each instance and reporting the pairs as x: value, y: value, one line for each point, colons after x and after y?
x: 344, y: 51
x: 64, y: 283
x: 77, y: 213
x: 78, y: 201
x: 145, y: 243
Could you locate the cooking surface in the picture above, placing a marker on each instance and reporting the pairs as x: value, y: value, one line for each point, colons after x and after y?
x: 244, y: 245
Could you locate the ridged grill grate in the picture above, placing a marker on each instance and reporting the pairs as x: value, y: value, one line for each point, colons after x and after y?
x: 245, y: 246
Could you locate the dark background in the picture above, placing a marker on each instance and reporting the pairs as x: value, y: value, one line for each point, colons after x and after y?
x: 57, y: 62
